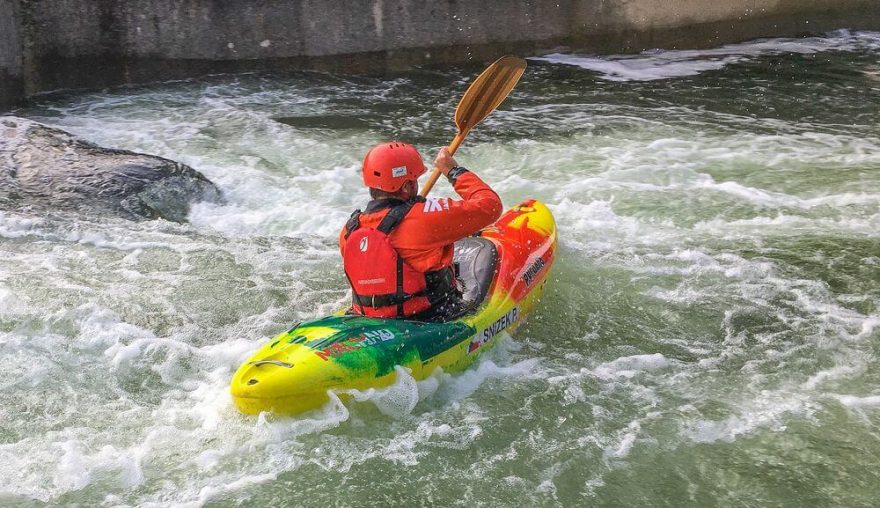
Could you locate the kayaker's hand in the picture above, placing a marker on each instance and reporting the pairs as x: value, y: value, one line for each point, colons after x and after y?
x: 444, y: 161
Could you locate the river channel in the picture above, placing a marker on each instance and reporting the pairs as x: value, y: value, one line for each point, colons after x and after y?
x: 710, y: 334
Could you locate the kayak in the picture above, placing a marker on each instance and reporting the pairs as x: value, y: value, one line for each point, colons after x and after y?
x: 502, y: 271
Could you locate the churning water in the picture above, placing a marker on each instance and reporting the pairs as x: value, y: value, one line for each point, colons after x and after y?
x: 710, y: 335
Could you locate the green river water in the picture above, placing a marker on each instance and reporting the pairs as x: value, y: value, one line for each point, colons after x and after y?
x: 710, y: 335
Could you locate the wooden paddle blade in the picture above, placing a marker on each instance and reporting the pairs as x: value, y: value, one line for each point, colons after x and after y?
x: 481, y: 98
x: 488, y: 91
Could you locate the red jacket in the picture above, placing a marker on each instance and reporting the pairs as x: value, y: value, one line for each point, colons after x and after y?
x: 424, y: 238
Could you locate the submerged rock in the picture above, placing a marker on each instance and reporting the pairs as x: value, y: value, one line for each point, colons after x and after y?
x: 46, y: 168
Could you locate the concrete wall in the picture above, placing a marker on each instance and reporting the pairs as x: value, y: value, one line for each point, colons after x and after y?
x: 11, y: 79
x: 636, y: 25
x: 51, y: 44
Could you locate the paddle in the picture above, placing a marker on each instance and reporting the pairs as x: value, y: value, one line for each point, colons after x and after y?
x: 481, y: 98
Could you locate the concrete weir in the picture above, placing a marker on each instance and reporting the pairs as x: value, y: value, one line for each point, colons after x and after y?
x: 63, y: 44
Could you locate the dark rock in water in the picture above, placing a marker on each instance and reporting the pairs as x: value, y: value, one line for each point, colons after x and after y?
x: 45, y: 168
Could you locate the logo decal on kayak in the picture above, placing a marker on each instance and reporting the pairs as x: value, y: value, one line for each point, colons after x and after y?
x: 534, y: 270
x: 493, y: 329
x: 362, y: 341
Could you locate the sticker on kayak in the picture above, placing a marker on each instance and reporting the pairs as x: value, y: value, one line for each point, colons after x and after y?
x: 493, y: 329
x: 350, y: 344
x: 534, y: 270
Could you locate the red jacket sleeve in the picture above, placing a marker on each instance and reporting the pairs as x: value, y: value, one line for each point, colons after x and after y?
x: 442, y: 221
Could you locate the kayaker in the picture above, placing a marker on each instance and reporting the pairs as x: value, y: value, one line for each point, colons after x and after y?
x: 397, y: 253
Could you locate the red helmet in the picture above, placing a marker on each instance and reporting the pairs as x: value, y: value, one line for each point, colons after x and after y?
x: 389, y: 165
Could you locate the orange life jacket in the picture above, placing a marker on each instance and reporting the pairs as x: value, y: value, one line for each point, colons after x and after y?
x: 382, y: 283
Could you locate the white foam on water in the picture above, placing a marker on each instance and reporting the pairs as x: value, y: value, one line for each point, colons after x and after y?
x: 598, y: 231
x: 398, y: 399
x: 12, y: 304
x: 853, y: 401
x: 278, y: 440
x: 679, y: 160
x: 837, y: 372
x: 868, y: 328
x: 441, y: 389
x: 494, y: 365
x: 821, y: 321
x: 782, y: 200
x: 625, y: 441
x: 14, y: 225
x: 209, y: 493
x: 101, y: 328
x: 636, y: 375
x: 287, y: 216
x: 789, y: 225
x: 820, y: 326
x: 767, y: 410
x: 69, y: 462
x: 629, y: 366
x: 664, y: 64
x: 195, y: 406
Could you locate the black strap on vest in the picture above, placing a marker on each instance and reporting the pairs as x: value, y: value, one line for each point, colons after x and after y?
x: 394, y: 217
x: 399, y: 294
x: 391, y: 220
x: 376, y: 301
x: 353, y: 223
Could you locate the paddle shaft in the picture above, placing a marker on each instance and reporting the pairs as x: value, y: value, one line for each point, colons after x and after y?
x: 435, y: 175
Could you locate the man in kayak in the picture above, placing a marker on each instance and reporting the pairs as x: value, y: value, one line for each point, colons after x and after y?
x: 397, y: 253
